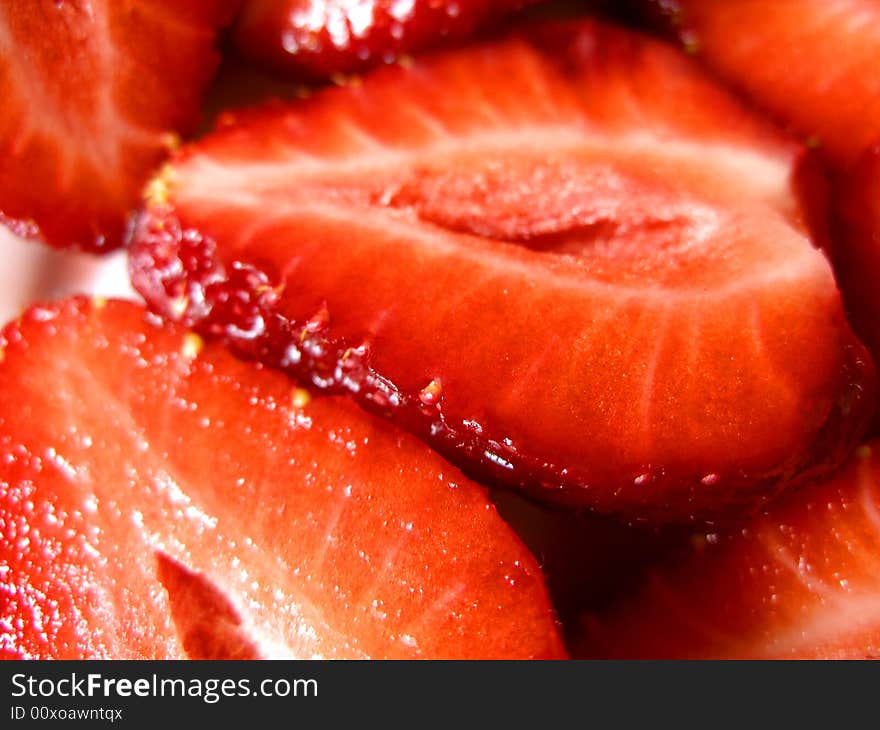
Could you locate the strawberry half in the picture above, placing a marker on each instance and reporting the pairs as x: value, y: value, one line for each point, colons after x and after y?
x: 162, y: 499
x: 800, y: 582
x: 566, y: 259
x: 811, y: 63
x: 93, y: 94
x: 319, y: 38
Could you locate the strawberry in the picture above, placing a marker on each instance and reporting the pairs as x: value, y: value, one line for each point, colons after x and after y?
x: 319, y: 38
x: 93, y: 94
x: 162, y: 499
x: 857, y: 261
x: 801, y: 581
x: 586, y: 273
x: 588, y: 561
x: 810, y: 63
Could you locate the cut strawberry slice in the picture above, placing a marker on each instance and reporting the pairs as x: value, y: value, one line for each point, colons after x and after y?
x: 537, y: 261
x: 320, y: 38
x: 93, y: 93
x: 160, y: 498
x: 811, y: 63
x: 802, y: 581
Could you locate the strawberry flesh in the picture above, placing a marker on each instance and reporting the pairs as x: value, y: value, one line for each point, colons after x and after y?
x: 800, y: 582
x: 93, y: 94
x: 537, y: 263
x: 811, y: 63
x: 162, y: 499
x: 813, y: 66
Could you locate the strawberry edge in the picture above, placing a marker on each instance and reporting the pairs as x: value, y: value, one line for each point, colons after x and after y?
x: 181, y: 278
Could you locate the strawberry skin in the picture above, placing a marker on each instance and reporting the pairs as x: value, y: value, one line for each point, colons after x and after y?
x: 319, y: 38
x: 800, y: 582
x: 93, y: 94
x: 810, y: 63
x: 857, y: 260
x: 559, y: 281
x: 163, y: 499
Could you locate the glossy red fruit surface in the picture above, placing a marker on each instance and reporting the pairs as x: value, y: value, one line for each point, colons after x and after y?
x: 93, y: 94
x: 857, y: 259
x: 163, y: 499
x: 538, y: 261
x: 589, y: 561
x: 320, y: 38
x: 811, y: 63
x: 800, y: 582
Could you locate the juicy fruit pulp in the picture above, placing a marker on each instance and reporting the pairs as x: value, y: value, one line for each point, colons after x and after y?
x: 160, y: 499
x: 319, y: 38
x: 585, y: 272
x: 813, y: 66
x: 92, y: 94
x: 801, y: 582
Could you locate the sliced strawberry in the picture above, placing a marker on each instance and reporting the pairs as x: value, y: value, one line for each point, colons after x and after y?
x: 160, y: 499
x: 801, y: 581
x: 93, y: 93
x: 537, y: 262
x: 811, y: 63
x: 320, y: 38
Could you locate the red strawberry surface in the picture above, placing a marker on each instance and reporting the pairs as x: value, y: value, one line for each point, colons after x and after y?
x: 93, y: 94
x: 813, y: 65
x: 589, y: 561
x: 163, y: 499
x: 810, y: 63
x: 320, y: 38
x: 566, y: 259
x: 800, y: 582
x: 857, y: 261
